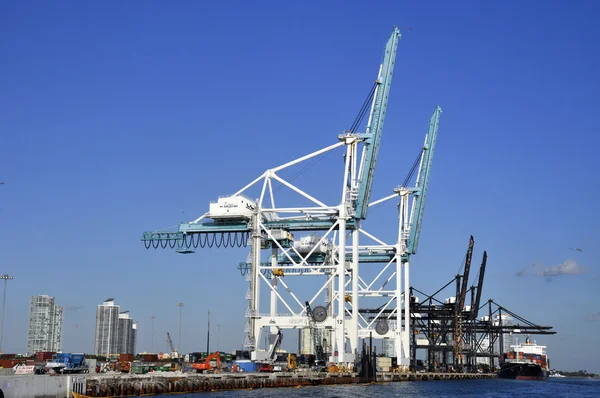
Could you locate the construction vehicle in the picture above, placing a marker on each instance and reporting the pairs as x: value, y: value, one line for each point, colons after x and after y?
x: 291, y: 360
x: 124, y: 366
x: 63, y: 362
x: 206, y: 367
x: 267, y: 364
x: 174, y: 353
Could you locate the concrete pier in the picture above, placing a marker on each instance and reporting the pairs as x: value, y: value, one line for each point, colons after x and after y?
x: 38, y: 386
x: 105, y: 385
x: 171, y: 382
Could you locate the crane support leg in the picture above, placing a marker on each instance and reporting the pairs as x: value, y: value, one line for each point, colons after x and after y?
x: 340, y: 330
x: 255, y: 327
x: 273, y: 329
x: 353, y: 327
x: 406, y: 331
x: 399, y: 304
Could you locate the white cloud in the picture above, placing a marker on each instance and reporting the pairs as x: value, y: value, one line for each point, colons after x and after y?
x: 569, y: 267
x: 593, y: 317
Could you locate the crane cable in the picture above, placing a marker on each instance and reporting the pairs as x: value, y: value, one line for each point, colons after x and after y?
x: 210, y: 239
x: 363, y: 110
x: 357, y: 121
x: 413, y: 169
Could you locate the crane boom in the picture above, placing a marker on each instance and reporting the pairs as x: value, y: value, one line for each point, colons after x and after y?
x: 375, y: 127
x: 422, y: 183
x: 465, y: 278
x: 273, y: 351
x: 171, y: 342
x: 475, y: 309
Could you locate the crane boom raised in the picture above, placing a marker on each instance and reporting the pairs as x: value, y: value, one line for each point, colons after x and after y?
x: 375, y: 125
x: 422, y: 183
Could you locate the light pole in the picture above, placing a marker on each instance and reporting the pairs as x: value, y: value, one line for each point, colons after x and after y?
x: 153, y: 318
x: 6, y: 278
x: 218, y: 336
x: 208, y: 335
x: 180, y: 305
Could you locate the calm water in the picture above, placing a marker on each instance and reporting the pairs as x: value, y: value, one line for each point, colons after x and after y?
x: 566, y: 387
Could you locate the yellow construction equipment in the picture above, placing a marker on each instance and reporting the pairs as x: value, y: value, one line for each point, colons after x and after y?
x: 291, y: 359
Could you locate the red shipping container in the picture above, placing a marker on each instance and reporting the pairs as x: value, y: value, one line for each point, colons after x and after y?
x: 126, y: 357
x: 43, y: 356
x: 9, y: 363
x: 150, y: 357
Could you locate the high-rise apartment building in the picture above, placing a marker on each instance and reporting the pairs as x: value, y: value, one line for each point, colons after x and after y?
x: 107, y: 324
x: 310, y: 338
x: 115, y: 330
x: 305, y: 341
x: 133, y: 341
x: 45, y: 325
x: 127, y: 334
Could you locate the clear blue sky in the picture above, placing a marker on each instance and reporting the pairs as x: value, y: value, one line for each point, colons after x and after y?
x: 124, y: 117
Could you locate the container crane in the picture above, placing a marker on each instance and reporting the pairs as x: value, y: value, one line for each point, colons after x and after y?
x: 459, y: 305
x: 238, y: 221
x: 409, y: 228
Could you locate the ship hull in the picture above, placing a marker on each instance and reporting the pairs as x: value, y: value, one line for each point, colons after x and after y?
x: 522, y: 371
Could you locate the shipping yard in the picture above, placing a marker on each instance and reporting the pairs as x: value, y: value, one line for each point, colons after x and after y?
x: 315, y: 272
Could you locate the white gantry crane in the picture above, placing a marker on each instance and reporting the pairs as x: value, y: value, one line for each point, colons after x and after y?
x: 328, y: 259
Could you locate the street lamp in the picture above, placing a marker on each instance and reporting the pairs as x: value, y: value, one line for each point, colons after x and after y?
x: 6, y: 278
x: 180, y: 305
x: 153, y: 318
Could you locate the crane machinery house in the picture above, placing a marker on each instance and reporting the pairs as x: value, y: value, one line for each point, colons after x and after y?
x: 232, y: 207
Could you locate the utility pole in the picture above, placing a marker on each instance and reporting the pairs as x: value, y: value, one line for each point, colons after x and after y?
x: 208, y: 335
x: 153, y: 318
x: 180, y: 305
x: 6, y: 278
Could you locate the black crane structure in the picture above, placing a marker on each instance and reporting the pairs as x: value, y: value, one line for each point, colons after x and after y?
x: 455, y: 336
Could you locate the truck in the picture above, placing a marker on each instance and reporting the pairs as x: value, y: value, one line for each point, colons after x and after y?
x: 63, y: 362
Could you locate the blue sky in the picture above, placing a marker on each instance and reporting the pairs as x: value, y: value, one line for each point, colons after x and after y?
x: 121, y: 118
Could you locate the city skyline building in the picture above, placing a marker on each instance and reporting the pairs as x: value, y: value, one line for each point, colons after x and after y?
x: 126, y: 334
x: 305, y: 341
x: 133, y: 340
x: 107, y: 324
x: 45, y: 325
x: 116, y: 332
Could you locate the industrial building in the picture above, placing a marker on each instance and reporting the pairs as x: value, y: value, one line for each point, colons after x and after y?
x: 45, y: 325
x: 115, y: 330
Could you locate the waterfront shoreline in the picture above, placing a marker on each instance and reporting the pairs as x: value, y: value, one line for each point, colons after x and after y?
x: 126, y: 385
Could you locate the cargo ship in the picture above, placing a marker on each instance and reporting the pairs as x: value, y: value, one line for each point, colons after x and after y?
x: 526, y: 361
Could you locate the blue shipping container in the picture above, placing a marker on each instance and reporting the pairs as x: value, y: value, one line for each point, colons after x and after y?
x: 246, y: 366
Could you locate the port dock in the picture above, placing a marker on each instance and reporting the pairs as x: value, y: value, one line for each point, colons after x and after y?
x: 174, y: 382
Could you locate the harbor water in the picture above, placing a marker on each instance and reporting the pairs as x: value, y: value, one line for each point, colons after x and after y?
x: 564, y: 387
